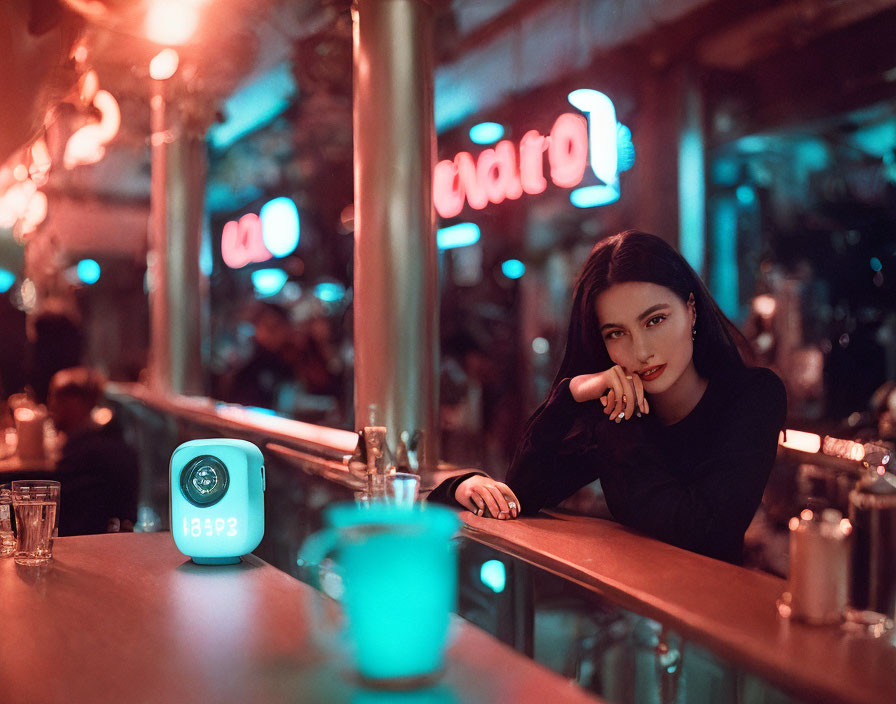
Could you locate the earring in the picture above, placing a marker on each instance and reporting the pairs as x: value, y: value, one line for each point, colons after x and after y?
x: 694, y: 332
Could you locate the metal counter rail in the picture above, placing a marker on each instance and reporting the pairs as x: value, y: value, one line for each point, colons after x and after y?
x: 314, y: 440
x: 727, y: 609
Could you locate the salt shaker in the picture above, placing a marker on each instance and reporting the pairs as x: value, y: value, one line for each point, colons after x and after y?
x: 818, y: 586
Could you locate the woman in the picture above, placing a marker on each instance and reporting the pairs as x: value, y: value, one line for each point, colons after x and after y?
x: 654, y: 399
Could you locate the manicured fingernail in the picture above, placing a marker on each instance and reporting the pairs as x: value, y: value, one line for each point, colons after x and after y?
x: 479, y: 512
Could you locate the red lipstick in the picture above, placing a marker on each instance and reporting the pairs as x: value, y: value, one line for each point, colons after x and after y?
x: 652, y: 373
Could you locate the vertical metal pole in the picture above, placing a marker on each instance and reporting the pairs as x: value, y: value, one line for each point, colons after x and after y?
x: 396, y: 270
x: 176, y: 203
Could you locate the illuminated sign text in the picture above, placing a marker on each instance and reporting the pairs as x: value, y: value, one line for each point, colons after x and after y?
x: 506, y: 172
x: 257, y: 238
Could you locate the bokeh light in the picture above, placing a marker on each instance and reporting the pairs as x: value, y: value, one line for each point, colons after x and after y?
x: 171, y: 21
x: 164, y: 64
x: 268, y: 282
x: 461, y: 235
x: 89, y: 271
x: 486, y: 133
x: 280, y: 226
x: 513, y: 268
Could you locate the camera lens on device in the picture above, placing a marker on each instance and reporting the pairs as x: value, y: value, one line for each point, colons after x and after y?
x: 204, y: 481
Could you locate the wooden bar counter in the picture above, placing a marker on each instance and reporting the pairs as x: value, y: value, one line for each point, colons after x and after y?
x: 725, y: 608
x: 127, y: 618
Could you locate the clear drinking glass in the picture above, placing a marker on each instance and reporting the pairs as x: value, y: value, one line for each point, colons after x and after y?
x: 7, y: 536
x: 402, y: 488
x: 36, y: 505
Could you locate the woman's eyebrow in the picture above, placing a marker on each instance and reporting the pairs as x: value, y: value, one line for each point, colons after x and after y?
x: 652, y: 309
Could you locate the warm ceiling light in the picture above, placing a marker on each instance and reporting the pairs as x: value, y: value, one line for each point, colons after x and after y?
x: 171, y: 21
x: 164, y: 64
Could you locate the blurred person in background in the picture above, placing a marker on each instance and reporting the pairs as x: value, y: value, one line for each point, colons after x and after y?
x: 56, y: 342
x: 98, y: 471
x: 12, y: 351
x: 262, y: 378
x: 318, y: 358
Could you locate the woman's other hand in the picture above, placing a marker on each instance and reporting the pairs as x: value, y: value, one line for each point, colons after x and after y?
x: 479, y: 493
x: 620, y: 393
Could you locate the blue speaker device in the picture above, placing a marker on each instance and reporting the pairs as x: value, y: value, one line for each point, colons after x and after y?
x: 217, y: 499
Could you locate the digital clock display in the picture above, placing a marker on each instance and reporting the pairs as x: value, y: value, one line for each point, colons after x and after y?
x: 211, y: 527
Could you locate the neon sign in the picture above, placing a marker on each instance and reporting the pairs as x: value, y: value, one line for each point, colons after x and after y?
x: 505, y: 172
x: 254, y: 238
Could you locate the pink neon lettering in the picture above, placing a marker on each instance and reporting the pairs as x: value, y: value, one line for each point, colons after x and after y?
x: 532, y: 147
x: 447, y: 195
x: 510, y: 178
x: 568, y: 150
x: 232, y: 252
x: 242, y: 242
x: 494, y: 176
x: 488, y: 175
x: 474, y: 191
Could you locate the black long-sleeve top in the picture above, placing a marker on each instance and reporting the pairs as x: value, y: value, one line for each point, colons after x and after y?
x: 696, y: 483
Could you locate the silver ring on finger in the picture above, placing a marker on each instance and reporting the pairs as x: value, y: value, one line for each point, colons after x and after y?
x: 511, y: 504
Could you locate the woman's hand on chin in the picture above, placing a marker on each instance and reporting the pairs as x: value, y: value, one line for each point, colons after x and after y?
x: 621, y: 394
x: 484, y: 496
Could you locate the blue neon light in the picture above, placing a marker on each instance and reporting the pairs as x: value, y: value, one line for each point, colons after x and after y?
x: 280, y: 226
x: 592, y: 196
x: 723, y: 273
x: 493, y: 575
x: 88, y: 271
x: 268, y: 282
x: 745, y: 195
x: 513, y: 268
x: 602, y: 131
x: 876, y: 265
x: 610, y: 148
x: 486, y: 133
x: 692, y: 193
x: 7, y: 279
x: 329, y: 292
x: 254, y: 106
x: 461, y: 235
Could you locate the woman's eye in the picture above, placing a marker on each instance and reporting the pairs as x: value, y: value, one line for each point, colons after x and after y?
x: 656, y: 320
x: 614, y: 335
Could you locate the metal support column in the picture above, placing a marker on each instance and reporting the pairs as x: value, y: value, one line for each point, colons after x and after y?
x: 175, y: 295
x: 396, y: 269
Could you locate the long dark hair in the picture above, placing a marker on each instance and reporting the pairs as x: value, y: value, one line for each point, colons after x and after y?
x: 638, y: 256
